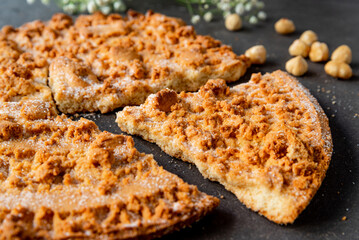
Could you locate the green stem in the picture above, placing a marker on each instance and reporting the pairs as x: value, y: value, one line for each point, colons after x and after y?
x: 189, y: 7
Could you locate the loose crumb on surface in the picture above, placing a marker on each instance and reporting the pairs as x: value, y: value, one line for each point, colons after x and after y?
x: 344, y: 218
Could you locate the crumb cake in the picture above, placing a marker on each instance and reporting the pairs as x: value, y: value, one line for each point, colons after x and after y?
x: 22, y: 76
x: 61, y: 179
x: 268, y: 141
x: 99, y: 62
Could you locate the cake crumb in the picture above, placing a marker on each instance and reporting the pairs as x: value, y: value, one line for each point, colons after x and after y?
x: 344, y: 218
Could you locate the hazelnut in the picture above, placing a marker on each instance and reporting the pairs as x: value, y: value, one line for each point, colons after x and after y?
x: 257, y: 54
x: 319, y: 52
x: 338, y: 69
x: 309, y: 37
x: 233, y: 22
x: 343, y: 53
x: 299, y: 48
x: 297, y: 66
x: 284, y: 26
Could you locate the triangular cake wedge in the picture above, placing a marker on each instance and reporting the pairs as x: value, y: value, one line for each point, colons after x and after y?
x: 100, y: 63
x: 63, y: 179
x: 268, y: 141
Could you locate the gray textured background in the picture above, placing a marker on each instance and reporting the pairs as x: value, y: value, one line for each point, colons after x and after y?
x: 336, y: 23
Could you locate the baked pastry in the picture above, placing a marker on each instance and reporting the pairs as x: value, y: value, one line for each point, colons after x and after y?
x: 22, y: 76
x: 104, y: 62
x: 61, y: 179
x: 268, y: 141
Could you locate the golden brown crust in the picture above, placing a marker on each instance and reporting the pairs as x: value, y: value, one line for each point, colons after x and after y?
x: 268, y: 141
x: 129, y: 57
x: 61, y: 179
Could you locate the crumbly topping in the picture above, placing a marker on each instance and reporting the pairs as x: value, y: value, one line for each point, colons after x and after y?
x: 125, y: 58
x: 266, y: 132
x: 22, y: 76
x: 66, y: 179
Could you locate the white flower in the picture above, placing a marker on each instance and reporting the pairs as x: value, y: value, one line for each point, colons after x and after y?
x: 262, y: 15
x: 239, y: 9
x: 195, y: 19
x: 82, y: 7
x: 119, y: 6
x: 253, y: 20
x: 64, y: 2
x: 206, y: 6
x: 70, y: 8
x: 105, y: 9
x: 208, y: 16
x: 45, y: 2
x: 260, y: 4
x: 248, y: 7
x: 91, y: 7
x: 30, y: 1
x: 225, y: 14
x: 99, y: 3
x: 225, y: 6
x: 102, y: 3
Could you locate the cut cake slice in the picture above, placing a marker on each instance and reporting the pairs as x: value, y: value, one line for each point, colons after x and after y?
x: 61, y: 179
x: 100, y: 63
x: 268, y: 141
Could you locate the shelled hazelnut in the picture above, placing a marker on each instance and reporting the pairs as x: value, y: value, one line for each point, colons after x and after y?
x: 343, y: 53
x: 284, y: 26
x: 299, y: 48
x: 233, y: 22
x: 319, y: 52
x: 257, y: 54
x: 297, y: 66
x: 309, y: 37
x: 338, y: 69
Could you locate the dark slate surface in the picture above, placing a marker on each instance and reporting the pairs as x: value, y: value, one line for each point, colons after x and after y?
x: 336, y: 23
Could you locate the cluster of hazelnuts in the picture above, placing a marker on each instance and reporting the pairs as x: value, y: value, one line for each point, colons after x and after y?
x: 309, y: 46
x: 306, y: 46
